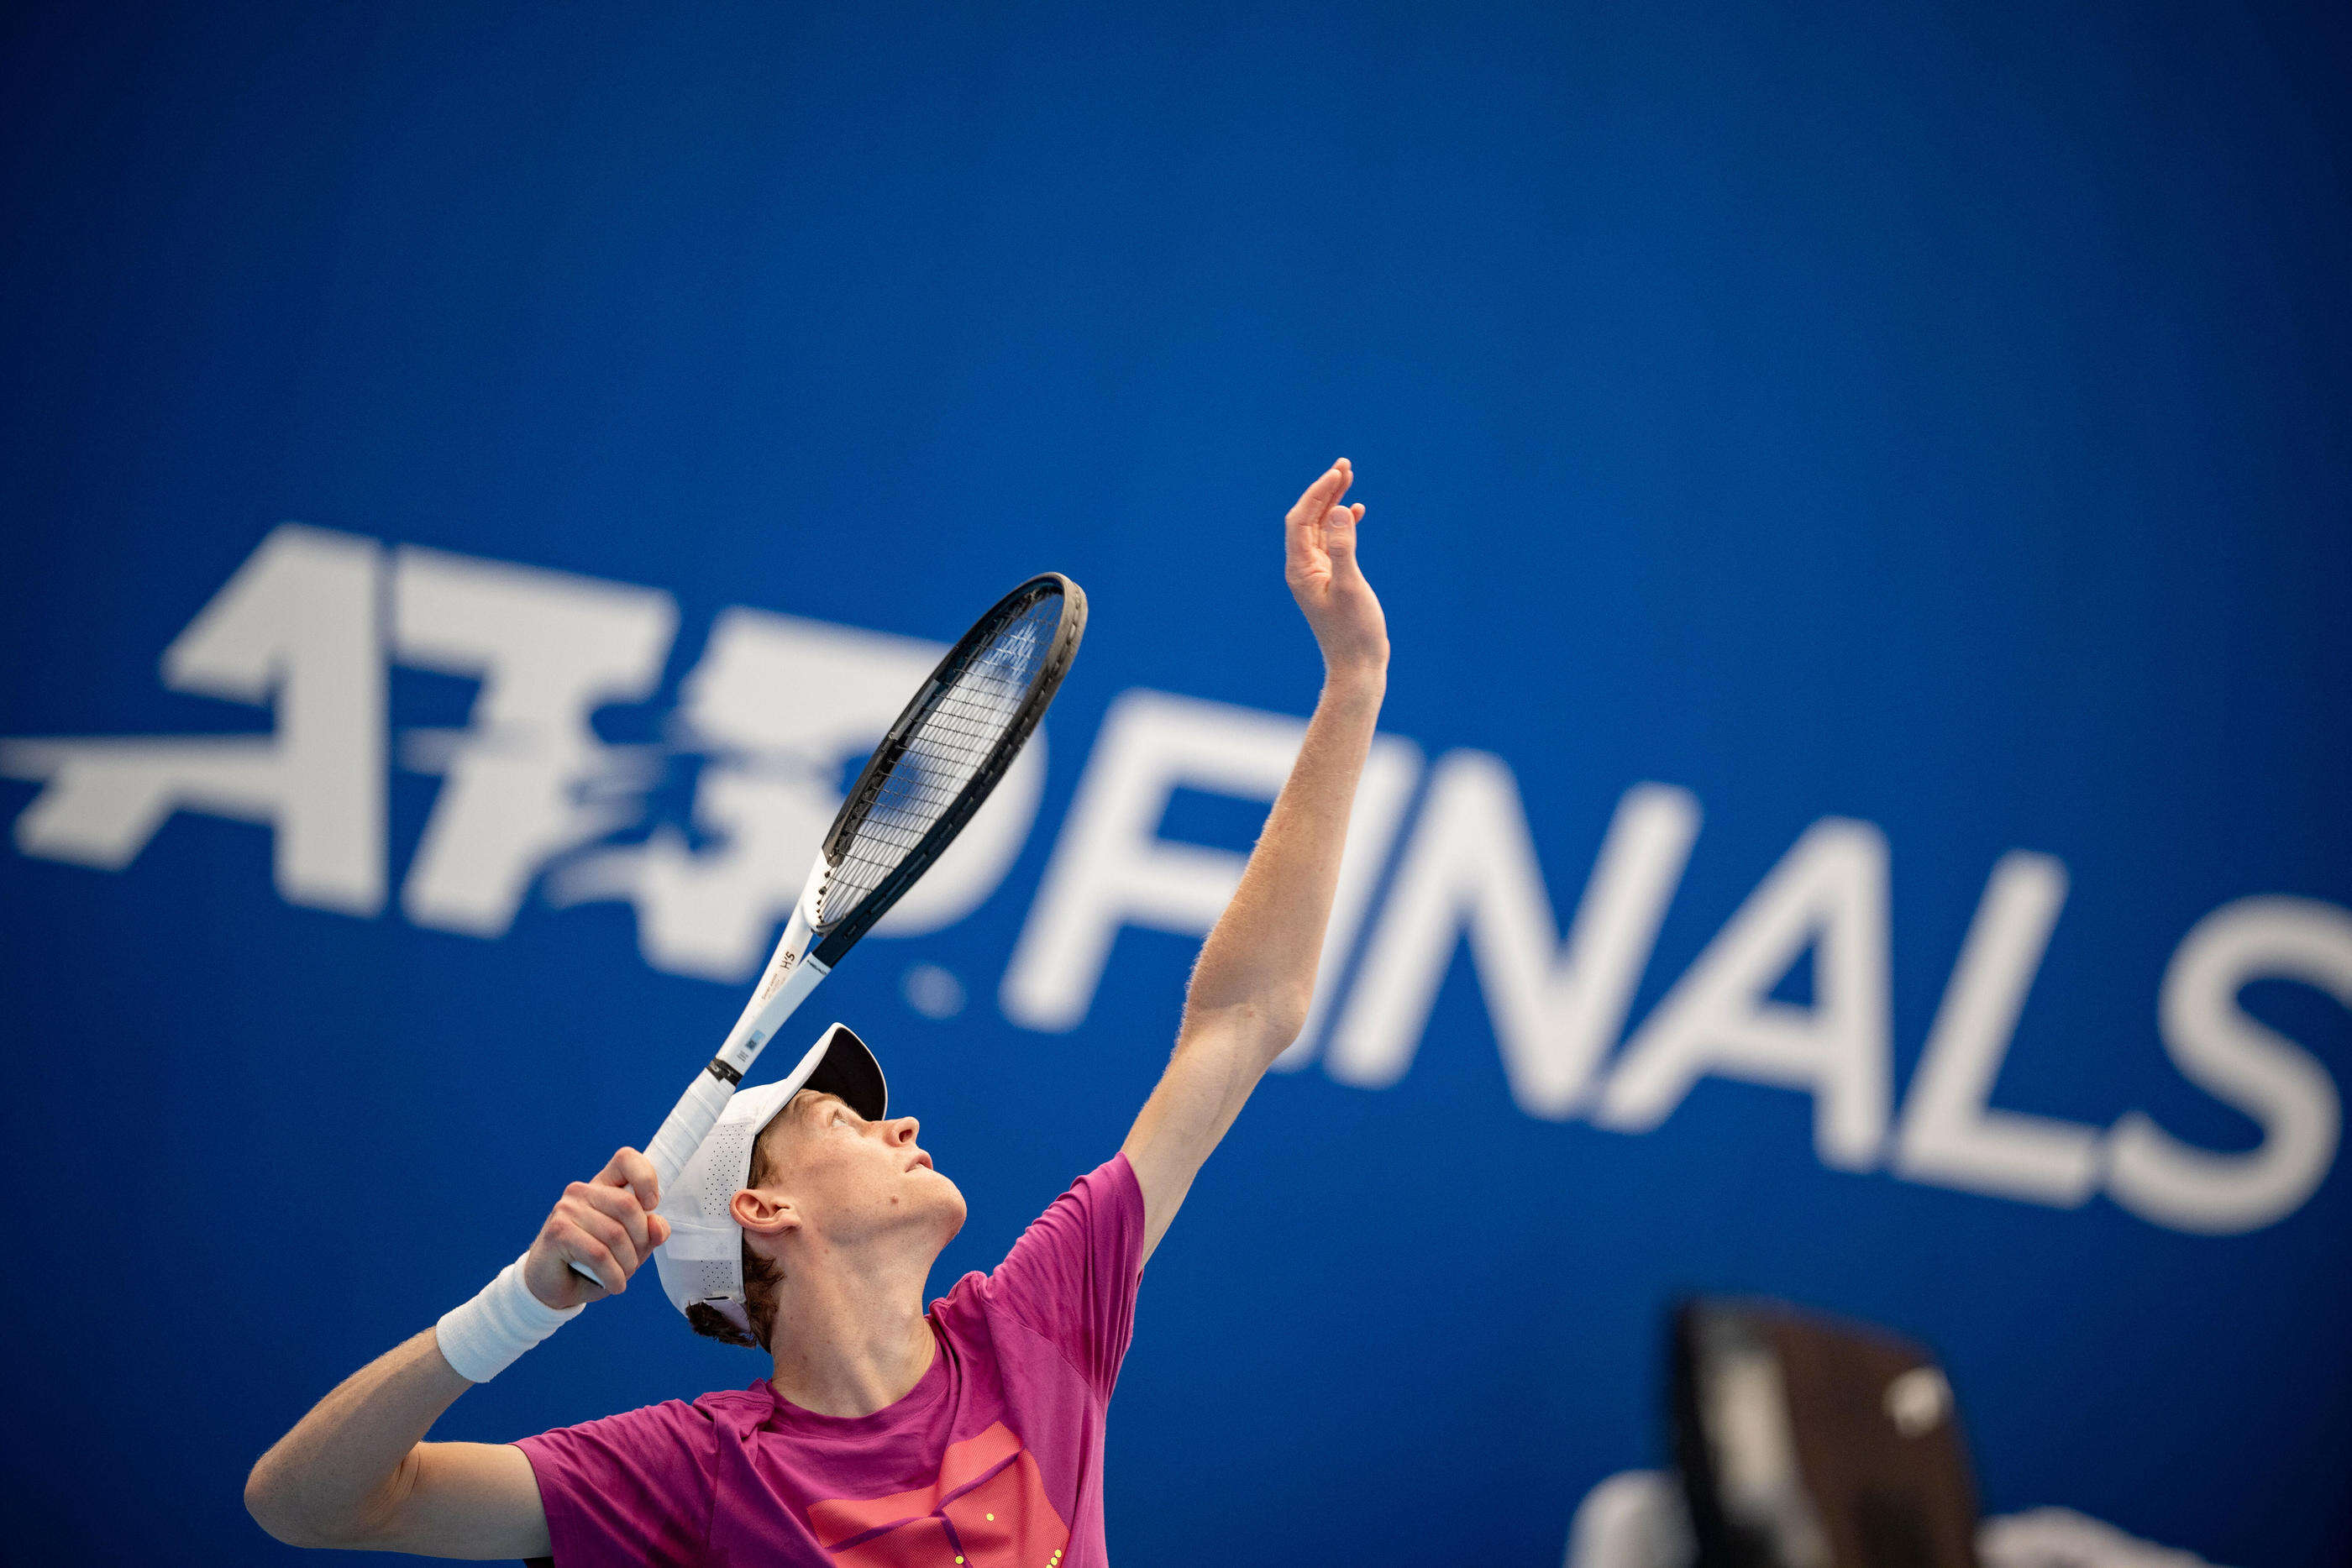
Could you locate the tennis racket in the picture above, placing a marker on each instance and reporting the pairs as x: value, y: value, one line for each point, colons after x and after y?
x: 941, y: 757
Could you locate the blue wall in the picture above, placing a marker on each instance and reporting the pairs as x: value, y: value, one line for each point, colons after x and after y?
x: 1932, y: 418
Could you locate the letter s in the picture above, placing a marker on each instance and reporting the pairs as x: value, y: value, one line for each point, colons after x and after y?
x: 2237, y: 1060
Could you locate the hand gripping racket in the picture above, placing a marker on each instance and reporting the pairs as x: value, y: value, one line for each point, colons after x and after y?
x: 940, y: 758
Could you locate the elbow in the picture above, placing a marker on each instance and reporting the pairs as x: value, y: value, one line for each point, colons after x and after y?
x: 275, y: 1505
x: 265, y: 1499
x: 1267, y: 1024
x: 1280, y: 1033
x: 1281, y: 1017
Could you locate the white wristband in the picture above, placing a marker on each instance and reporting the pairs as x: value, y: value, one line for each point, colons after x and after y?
x: 482, y: 1338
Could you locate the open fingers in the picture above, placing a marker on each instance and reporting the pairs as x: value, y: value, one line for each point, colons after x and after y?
x: 1307, y: 521
x: 1329, y: 486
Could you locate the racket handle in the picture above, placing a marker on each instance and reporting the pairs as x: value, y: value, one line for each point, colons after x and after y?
x: 682, y: 1132
x: 792, y: 974
x: 688, y: 1122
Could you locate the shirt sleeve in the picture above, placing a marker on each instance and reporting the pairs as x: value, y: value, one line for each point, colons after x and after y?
x: 631, y: 1489
x: 1072, y: 1275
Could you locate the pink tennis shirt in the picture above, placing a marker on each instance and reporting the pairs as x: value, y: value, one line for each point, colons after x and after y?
x: 994, y: 1458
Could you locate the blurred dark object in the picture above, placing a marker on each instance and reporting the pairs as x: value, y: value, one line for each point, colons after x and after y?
x: 1806, y: 1441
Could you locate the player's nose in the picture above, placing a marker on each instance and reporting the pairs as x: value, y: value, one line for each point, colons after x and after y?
x: 904, y: 1129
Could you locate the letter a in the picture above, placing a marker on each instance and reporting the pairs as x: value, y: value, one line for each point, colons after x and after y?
x: 1828, y: 892
x: 293, y: 631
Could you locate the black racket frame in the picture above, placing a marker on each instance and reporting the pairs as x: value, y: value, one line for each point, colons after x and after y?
x: 837, y: 939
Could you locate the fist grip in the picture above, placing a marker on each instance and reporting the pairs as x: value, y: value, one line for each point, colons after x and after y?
x: 682, y: 1132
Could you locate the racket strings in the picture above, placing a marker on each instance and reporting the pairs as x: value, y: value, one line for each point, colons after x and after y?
x: 951, y: 739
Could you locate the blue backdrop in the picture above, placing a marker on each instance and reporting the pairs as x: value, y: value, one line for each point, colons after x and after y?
x: 1907, y: 435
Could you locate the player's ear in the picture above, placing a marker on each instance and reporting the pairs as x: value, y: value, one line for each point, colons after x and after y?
x: 762, y: 1212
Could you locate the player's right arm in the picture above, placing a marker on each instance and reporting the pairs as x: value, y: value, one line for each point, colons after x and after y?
x: 356, y: 1472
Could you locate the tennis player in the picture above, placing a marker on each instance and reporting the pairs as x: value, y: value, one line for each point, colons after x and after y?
x: 806, y: 1225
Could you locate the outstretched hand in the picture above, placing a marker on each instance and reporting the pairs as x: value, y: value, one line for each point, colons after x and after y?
x: 1340, y: 605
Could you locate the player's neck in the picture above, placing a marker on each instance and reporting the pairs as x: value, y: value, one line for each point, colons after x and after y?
x: 851, y: 1338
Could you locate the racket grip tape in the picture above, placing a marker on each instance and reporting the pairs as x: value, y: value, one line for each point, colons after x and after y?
x: 688, y: 1122
x: 682, y: 1132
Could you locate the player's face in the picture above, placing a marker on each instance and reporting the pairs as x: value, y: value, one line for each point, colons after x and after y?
x: 853, y: 1179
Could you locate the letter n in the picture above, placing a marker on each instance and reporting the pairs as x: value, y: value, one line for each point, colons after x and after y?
x: 1471, y: 864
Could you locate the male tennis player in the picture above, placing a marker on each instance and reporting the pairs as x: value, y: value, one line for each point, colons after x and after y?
x: 807, y: 1224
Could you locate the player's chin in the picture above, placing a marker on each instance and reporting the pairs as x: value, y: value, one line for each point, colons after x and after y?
x: 949, y: 1198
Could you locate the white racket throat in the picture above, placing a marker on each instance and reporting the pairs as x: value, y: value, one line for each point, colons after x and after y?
x: 792, y: 973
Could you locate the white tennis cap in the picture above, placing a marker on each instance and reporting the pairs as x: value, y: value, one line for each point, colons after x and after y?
x: 703, y: 1258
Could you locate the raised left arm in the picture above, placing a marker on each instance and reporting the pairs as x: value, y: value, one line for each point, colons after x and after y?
x: 1256, y: 976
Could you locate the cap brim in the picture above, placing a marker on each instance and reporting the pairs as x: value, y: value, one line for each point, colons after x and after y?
x: 848, y: 1069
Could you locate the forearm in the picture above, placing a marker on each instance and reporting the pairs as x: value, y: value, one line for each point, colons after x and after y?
x: 1256, y: 976
x: 338, y: 1475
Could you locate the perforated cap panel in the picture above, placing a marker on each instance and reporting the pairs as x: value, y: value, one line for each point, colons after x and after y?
x: 727, y: 1162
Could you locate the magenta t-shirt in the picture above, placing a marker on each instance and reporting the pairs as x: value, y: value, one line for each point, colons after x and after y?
x: 993, y: 1459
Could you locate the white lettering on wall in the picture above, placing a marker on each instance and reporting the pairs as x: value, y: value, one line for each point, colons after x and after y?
x: 295, y: 631
x: 1829, y: 893
x: 2242, y: 1064
x: 1950, y: 1134
x: 527, y: 779
x: 1471, y: 864
x: 779, y: 709
x: 1110, y: 867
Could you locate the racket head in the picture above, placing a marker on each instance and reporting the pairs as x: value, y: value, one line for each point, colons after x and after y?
x: 947, y: 748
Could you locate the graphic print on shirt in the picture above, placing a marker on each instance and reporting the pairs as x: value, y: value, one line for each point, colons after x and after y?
x: 987, y: 1510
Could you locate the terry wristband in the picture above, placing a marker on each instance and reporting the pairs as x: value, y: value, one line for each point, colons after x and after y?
x: 482, y: 1338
